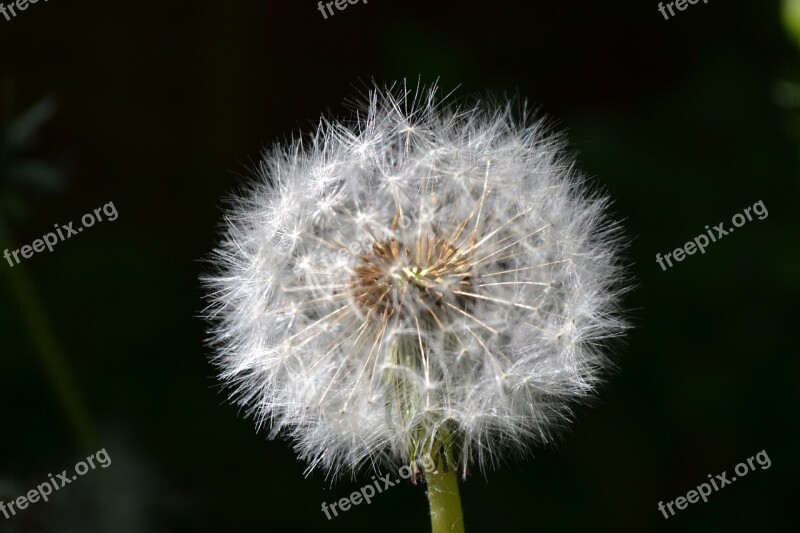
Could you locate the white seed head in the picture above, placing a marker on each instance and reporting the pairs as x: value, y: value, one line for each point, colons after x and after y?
x: 420, y: 279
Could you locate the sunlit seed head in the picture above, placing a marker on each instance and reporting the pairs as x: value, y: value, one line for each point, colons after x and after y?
x: 420, y: 278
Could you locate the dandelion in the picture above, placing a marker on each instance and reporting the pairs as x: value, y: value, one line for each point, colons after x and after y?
x: 422, y: 281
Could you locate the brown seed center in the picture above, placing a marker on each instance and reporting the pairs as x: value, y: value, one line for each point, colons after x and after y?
x: 391, y: 276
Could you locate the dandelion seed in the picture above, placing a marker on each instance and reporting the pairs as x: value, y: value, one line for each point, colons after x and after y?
x: 426, y: 281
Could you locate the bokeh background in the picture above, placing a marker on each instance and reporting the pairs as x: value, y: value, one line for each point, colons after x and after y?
x: 162, y: 107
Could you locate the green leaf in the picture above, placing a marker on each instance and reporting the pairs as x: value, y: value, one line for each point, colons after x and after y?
x: 22, y: 129
x: 791, y: 18
x: 35, y: 174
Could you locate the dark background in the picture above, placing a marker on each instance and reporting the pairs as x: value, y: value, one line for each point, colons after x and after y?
x: 161, y: 107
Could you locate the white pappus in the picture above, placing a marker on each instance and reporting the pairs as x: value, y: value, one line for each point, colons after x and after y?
x: 423, y: 279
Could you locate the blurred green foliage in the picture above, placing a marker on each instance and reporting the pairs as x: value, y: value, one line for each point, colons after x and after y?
x: 791, y: 18
x: 20, y: 173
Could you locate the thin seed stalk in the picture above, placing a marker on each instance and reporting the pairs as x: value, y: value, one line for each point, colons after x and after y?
x: 444, y: 500
x: 403, y: 400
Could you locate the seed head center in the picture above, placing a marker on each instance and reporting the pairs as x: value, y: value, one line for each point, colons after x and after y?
x: 391, y: 276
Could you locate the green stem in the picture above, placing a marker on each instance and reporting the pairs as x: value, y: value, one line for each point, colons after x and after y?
x: 59, y: 376
x: 403, y: 401
x: 445, y: 502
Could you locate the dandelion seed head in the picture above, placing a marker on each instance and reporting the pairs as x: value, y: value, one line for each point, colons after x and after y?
x: 422, y: 275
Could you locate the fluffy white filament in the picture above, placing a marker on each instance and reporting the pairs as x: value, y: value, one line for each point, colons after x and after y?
x: 420, y: 274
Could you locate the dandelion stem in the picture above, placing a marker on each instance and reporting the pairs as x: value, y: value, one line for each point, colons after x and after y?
x: 445, y: 501
x: 54, y: 363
